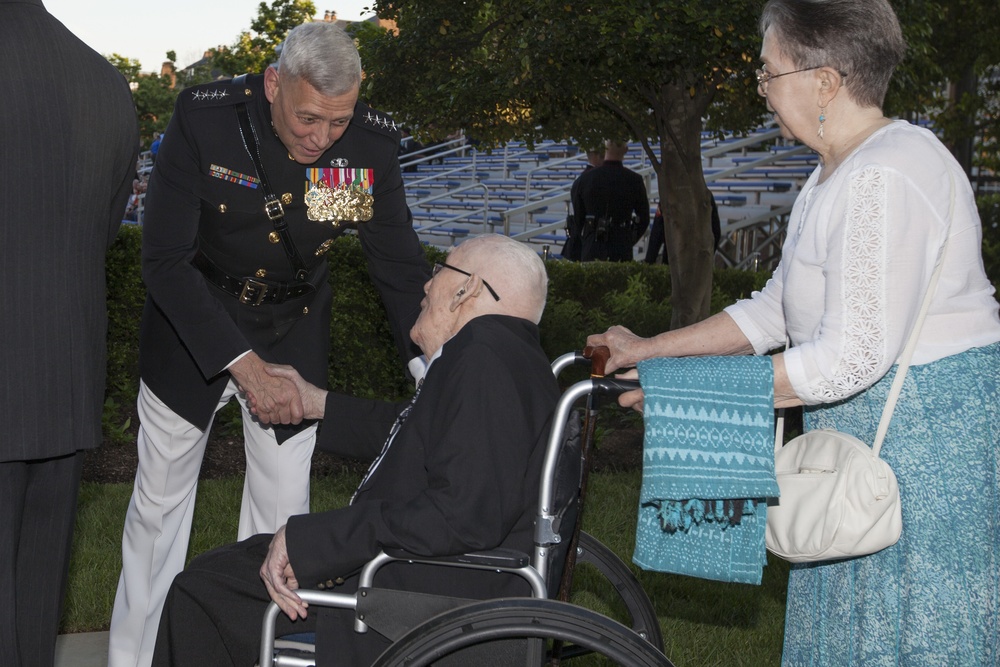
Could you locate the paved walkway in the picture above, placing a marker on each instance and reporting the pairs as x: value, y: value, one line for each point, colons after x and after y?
x: 85, y: 649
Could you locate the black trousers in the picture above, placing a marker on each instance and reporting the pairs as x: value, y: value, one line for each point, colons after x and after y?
x: 213, y: 612
x: 657, y: 242
x: 37, y: 512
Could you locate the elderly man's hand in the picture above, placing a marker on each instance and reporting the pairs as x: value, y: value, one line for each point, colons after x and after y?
x: 278, y: 577
x: 274, y: 400
x: 313, y: 398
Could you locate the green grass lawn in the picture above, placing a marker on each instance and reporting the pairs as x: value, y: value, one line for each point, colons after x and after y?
x: 705, y: 623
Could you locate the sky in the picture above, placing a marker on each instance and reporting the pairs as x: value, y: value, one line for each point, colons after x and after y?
x: 145, y: 31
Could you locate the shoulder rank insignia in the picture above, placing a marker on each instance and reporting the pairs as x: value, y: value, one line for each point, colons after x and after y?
x: 205, y: 94
x: 373, y: 118
x: 339, y: 195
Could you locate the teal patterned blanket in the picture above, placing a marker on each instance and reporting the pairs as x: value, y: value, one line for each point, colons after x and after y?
x: 708, y: 466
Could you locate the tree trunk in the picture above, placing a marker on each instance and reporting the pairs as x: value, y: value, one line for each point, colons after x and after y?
x: 686, y: 207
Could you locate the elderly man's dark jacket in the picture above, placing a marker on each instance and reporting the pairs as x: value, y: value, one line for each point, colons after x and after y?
x: 461, y: 475
x: 205, y: 197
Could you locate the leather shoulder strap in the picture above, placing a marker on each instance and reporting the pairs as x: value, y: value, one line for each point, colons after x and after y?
x: 272, y: 205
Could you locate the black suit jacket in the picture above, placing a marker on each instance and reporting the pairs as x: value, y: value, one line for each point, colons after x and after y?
x: 203, y: 197
x: 461, y: 475
x: 68, y: 146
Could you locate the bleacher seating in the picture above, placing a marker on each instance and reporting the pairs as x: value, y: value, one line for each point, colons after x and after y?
x: 525, y: 193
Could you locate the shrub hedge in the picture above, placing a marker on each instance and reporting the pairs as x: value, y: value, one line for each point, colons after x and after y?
x: 583, y: 299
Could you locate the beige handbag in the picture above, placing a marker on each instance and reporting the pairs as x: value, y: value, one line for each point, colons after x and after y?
x: 838, y: 498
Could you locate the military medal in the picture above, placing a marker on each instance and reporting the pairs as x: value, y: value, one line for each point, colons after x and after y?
x: 339, y: 195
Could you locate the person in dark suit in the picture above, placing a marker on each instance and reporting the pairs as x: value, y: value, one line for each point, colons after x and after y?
x: 611, y: 208
x: 254, y: 180
x: 459, y: 472
x: 70, y: 141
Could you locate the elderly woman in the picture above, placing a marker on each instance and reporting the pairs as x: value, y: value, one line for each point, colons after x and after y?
x: 862, y: 242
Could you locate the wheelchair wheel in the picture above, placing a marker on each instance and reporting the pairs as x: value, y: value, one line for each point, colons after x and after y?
x: 480, y: 623
x: 642, y: 617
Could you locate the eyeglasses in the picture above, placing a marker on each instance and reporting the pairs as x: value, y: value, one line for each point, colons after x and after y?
x: 763, y: 76
x: 441, y: 265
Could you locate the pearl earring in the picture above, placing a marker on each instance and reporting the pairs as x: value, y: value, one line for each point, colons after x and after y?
x: 822, y: 119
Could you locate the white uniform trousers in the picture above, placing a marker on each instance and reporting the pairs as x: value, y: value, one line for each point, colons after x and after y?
x: 158, y: 521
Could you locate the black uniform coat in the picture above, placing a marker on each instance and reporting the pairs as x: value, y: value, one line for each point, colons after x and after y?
x: 68, y: 145
x: 200, y: 199
x: 612, y: 192
x: 461, y: 475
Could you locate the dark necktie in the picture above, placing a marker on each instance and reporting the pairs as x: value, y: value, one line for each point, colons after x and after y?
x: 388, y: 441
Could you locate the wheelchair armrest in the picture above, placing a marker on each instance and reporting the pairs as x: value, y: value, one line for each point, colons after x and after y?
x: 501, y: 558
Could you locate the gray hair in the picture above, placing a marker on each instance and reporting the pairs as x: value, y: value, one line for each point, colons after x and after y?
x: 860, y: 38
x: 616, y: 148
x: 322, y: 55
x: 513, y: 269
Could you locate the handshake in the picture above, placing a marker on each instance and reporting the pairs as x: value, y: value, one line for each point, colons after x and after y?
x: 277, y: 394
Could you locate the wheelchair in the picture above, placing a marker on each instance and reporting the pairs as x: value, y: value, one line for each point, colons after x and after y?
x: 543, y: 629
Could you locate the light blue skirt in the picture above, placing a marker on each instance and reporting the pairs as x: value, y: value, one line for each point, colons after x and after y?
x: 932, y: 598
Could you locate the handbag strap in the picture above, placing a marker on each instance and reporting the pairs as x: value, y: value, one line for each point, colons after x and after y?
x: 911, y: 343
x: 907, y: 355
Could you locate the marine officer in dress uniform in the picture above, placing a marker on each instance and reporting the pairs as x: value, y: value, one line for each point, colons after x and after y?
x: 611, y: 207
x: 256, y: 178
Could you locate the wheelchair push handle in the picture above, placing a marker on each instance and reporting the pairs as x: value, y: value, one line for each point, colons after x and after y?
x: 597, y: 358
x: 613, y: 386
x: 602, y: 384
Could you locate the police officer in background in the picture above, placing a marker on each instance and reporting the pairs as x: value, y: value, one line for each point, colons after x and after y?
x: 258, y: 176
x: 610, y: 207
x: 574, y: 241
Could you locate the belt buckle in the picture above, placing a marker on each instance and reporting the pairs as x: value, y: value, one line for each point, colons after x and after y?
x: 253, y: 292
x: 273, y: 208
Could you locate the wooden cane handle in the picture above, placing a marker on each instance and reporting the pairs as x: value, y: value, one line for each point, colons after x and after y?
x: 598, y: 359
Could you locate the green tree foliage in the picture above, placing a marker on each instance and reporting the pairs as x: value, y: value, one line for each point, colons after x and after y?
x: 154, y: 94
x: 254, y: 49
x: 585, y: 70
x: 966, y: 43
x: 952, y: 73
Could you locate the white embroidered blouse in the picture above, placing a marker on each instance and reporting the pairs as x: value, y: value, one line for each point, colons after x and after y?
x: 856, y: 262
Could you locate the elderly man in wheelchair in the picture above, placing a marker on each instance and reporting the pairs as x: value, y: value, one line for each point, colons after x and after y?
x: 458, y: 473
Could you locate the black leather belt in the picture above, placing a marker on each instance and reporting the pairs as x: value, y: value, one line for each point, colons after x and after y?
x: 251, y: 291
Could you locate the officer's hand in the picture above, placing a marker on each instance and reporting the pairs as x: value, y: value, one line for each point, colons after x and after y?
x: 274, y: 400
x: 279, y: 579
